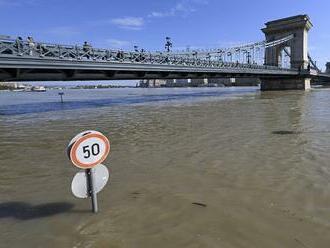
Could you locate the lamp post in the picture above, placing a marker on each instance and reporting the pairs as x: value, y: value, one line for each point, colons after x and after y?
x: 248, y: 57
x: 168, y: 44
x: 230, y: 55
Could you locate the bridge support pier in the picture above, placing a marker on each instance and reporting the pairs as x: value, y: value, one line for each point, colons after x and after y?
x: 285, y: 84
x: 327, y: 70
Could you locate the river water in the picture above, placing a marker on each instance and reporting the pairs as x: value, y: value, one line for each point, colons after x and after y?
x: 216, y: 167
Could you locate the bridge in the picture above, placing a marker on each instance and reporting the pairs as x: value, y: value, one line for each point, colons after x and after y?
x: 281, y: 61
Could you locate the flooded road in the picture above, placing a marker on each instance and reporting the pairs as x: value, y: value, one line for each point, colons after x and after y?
x: 222, y: 167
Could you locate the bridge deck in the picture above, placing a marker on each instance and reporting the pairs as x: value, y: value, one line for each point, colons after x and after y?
x: 45, y: 69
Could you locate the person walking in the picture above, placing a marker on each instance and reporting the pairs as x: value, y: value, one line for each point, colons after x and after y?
x: 87, y: 49
x: 31, y: 44
x: 19, y: 45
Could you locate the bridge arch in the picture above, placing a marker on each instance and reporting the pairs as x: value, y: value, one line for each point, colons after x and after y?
x: 284, y: 56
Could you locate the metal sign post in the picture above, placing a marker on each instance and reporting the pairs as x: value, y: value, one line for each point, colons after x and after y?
x: 61, y: 95
x: 90, y: 189
x: 87, y: 151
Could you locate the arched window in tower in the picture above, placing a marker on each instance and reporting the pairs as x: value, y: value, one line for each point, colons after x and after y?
x: 285, y: 57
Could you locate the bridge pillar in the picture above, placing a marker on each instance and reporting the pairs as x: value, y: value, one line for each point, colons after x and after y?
x: 298, y: 26
x: 327, y: 70
x: 285, y: 84
x: 275, y: 30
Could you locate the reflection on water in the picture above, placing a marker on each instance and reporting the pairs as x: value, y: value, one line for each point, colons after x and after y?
x: 190, y: 168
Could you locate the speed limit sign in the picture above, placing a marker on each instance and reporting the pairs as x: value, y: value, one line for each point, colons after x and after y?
x: 88, y: 149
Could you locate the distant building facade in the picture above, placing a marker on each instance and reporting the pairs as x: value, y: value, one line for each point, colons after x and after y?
x: 199, y: 82
x: 152, y: 83
x: 218, y: 82
x: 13, y: 85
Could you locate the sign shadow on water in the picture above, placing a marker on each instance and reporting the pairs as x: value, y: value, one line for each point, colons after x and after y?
x: 25, y: 211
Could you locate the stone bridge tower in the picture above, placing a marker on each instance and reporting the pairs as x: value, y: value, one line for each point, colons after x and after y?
x: 296, y: 48
x: 327, y: 70
x: 299, y: 27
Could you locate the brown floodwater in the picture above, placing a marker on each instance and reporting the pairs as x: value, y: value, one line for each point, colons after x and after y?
x: 217, y: 167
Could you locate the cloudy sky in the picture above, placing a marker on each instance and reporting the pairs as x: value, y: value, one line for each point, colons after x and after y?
x: 125, y: 23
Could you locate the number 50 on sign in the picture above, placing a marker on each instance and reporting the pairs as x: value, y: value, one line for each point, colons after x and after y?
x: 88, y: 149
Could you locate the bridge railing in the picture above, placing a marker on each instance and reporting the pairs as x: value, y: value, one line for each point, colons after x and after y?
x: 46, y: 51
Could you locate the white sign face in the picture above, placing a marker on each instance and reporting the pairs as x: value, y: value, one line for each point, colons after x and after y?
x: 79, y: 182
x: 88, y: 149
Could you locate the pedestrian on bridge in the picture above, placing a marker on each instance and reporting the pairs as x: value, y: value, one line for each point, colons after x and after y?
x: 31, y: 44
x: 42, y: 49
x: 87, y: 48
x: 19, y: 45
x: 141, y: 56
x: 120, y: 55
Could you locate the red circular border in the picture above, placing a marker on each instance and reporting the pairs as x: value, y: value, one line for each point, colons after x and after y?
x: 75, y: 146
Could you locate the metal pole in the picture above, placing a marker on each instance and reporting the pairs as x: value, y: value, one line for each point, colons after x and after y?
x: 61, y: 95
x: 90, y: 188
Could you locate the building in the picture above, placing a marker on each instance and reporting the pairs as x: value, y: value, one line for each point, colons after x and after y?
x: 12, y: 85
x: 152, y: 83
x: 220, y: 82
x: 199, y: 82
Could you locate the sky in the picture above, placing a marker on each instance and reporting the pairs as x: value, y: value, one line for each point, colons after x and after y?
x: 146, y: 23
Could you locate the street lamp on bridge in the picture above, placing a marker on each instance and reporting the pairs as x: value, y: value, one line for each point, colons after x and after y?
x: 248, y: 57
x: 168, y: 44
